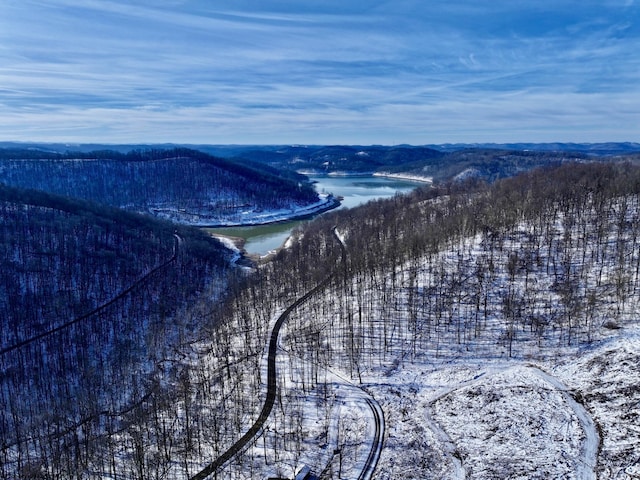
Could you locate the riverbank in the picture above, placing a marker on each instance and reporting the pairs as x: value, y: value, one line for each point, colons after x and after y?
x: 250, y: 218
x: 352, y: 191
x: 237, y: 245
x: 404, y: 176
x: 394, y: 176
x: 232, y: 234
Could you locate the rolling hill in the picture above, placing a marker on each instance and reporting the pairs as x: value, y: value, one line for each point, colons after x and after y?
x: 92, y: 309
x: 180, y: 184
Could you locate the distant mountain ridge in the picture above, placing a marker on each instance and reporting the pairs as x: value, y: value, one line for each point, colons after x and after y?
x: 230, y: 150
x: 336, y: 158
x: 603, y: 148
x: 430, y: 162
x: 445, y: 162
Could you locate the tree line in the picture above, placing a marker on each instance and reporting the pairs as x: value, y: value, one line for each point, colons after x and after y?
x: 516, y: 268
x: 520, y: 268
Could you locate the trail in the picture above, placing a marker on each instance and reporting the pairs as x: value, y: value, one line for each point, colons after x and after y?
x: 376, y: 446
x: 123, y: 293
x: 448, y: 446
x: 586, y: 467
x: 238, y: 446
x: 377, y: 413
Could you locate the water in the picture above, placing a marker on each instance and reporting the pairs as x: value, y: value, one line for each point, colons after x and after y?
x: 355, y: 191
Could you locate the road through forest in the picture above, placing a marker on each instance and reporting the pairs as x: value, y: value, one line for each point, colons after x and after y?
x: 178, y: 242
x: 271, y: 388
x: 270, y: 399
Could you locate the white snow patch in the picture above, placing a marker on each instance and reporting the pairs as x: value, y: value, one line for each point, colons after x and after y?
x: 404, y: 176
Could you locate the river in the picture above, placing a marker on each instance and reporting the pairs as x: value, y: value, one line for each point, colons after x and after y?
x: 355, y: 190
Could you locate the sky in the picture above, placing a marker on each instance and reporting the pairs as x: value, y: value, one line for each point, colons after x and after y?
x: 319, y: 71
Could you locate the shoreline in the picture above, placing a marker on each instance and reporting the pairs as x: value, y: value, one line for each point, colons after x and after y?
x: 400, y: 176
x: 328, y: 202
x: 238, y: 243
x: 340, y: 173
x: 299, y: 215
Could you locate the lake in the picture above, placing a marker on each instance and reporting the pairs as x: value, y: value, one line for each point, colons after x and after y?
x: 355, y: 190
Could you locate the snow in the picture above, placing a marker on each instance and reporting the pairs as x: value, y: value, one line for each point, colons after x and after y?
x: 606, y: 378
x: 466, y: 418
x: 404, y: 176
x: 472, y: 418
x: 510, y: 415
x: 336, y: 425
x: 251, y: 217
x: 457, y: 403
x: 235, y: 245
x: 555, y: 407
x: 466, y: 174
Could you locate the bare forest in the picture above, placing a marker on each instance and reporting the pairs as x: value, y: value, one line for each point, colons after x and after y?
x: 183, y: 185
x: 522, y: 269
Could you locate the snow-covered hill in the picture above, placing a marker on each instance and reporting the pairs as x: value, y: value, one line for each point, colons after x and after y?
x: 505, y: 352
x: 496, y: 327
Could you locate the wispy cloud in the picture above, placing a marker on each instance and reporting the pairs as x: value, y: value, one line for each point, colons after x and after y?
x: 318, y: 72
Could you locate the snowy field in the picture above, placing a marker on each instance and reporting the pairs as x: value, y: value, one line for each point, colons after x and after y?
x: 571, y: 416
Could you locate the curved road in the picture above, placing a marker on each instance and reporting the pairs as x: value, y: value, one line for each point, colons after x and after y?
x: 271, y: 388
x: 378, y: 414
x: 586, y: 466
x: 376, y: 447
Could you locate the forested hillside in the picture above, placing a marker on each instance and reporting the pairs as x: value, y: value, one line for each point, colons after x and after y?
x: 179, y: 184
x: 332, y: 159
x: 92, y: 305
x: 487, y: 164
x: 439, y: 164
x: 576, y: 224
x: 448, y: 307
x: 538, y: 268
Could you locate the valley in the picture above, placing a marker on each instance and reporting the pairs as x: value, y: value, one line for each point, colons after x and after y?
x: 351, y: 190
x: 466, y: 329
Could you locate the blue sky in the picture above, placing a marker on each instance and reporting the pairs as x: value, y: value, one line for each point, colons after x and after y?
x: 321, y: 71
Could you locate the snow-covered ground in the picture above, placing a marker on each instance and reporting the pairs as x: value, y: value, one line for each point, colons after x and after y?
x: 577, y: 418
x: 561, y: 404
x: 248, y: 216
x: 534, y: 384
x: 404, y: 176
x: 570, y: 416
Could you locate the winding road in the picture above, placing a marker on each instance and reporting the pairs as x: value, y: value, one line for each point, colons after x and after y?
x: 376, y: 447
x: 271, y: 388
x: 378, y: 416
x: 587, y: 466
